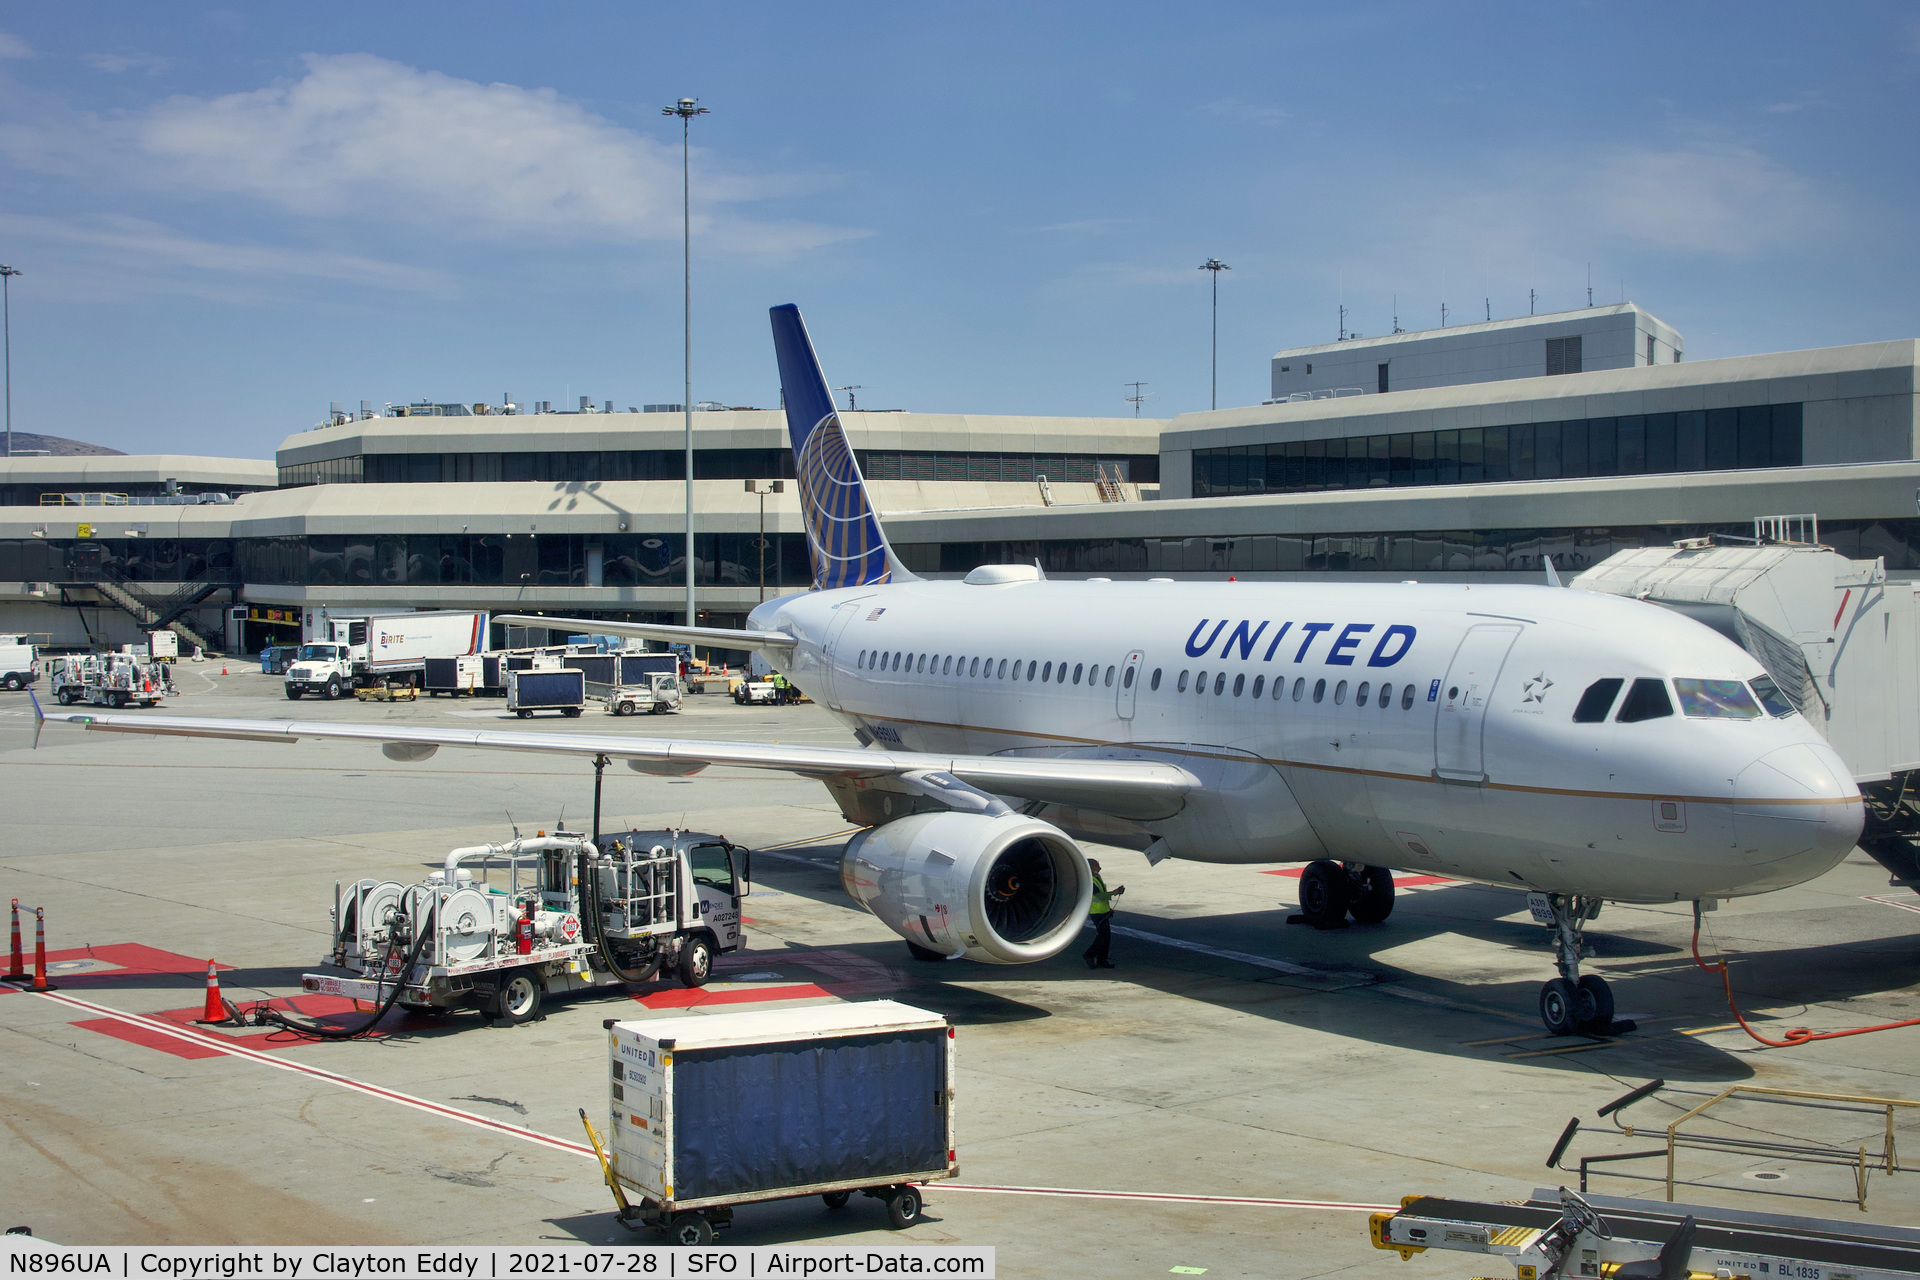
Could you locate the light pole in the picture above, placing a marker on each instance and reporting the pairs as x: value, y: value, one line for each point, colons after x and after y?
x: 687, y: 109
x: 753, y: 487
x: 7, y: 274
x: 1216, y: 267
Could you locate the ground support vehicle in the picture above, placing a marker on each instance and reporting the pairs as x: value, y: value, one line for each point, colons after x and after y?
x: 347, y: 653
x: 108, y: 680
x: 388, y: 692
x: 276, y: 658
x: 571, y: 916
x: 774, y: 691
x: 17, y: 666
x: 658, y: 695
x: 563, y: 690
x: 709, y: 1112
x: 464, y: 674
x: 1563, y: 1233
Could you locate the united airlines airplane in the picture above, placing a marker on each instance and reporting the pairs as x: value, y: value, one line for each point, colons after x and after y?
x: 1577, y: 745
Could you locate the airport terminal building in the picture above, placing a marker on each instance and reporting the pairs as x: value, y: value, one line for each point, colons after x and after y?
x: 1472, y: 453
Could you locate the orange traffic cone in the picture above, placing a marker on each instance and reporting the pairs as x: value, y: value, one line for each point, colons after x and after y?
x: 15, y: 969
x: 223, y: 671
x: 40, y: 982
x: 215, y: 1010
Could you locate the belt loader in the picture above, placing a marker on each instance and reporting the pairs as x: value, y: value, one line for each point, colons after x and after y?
x: 571, y: 915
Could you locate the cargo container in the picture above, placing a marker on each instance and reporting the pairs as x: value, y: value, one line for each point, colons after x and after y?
x: 454, y: 676
x: 563, y: 690
x: 710, y: 1111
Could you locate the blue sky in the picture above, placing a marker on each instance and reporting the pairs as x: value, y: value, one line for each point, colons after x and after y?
x: 228, y: 217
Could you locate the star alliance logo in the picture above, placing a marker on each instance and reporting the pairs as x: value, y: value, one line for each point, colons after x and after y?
x: 1536, y: 688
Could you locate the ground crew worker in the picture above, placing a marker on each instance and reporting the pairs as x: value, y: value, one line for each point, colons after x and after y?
x: 779, y: 683
x: 1101, y: 913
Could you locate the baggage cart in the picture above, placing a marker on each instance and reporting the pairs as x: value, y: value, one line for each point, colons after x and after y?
x: 709, y: 1112
x: 563, y: 690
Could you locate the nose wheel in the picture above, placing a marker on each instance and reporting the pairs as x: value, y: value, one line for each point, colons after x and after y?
x: 1575, y: 1003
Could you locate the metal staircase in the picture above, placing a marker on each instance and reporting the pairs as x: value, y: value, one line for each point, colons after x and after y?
x: 154, y: 612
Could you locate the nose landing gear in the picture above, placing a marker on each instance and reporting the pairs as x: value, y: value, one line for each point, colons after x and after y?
x: 1574, y: 1003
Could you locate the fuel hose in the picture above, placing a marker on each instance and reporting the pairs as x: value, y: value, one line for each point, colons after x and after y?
x: 317, y: 1032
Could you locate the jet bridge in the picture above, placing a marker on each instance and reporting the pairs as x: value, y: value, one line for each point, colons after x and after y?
x: 1840, y: 640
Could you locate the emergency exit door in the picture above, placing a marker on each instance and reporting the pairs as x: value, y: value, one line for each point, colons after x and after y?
x: 1459, y: 727
x: 1129, y: 687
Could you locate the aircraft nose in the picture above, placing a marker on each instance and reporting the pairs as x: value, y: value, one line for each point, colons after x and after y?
x: 1796, y: 802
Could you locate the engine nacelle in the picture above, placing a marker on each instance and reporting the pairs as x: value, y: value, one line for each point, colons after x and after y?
x: 1004, y: 890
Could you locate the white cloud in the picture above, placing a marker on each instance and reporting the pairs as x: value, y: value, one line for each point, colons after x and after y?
x: 363, y: 136
x: 1730, y: 200
x: 152, y: 63
x: 12, y: 46
x: 1233, y: 109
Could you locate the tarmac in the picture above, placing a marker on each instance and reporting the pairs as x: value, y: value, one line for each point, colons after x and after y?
x: 1234, y: 1097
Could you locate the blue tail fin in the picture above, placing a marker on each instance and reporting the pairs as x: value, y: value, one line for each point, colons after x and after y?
x: 843, y: 531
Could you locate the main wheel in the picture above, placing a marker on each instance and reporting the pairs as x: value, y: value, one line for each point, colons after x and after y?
x: 519, y: 997
x: 696, y: 963
x: 924, y: 954
x: 837, y: 1199
x: 1324, y: 886
x: 1593, y: 1005
x: 690, y: 1229
x: 903, y: 1207
x: 1557, y: 1007
x: 1374, y: 902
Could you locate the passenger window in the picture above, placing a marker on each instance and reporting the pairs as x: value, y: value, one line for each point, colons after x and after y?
x: 1319, y: 690
x: 1406, y: 698
x: 1239, y: 684
x: 921, y: 668
x: 1770, y: 697
x: 1047, y: 674
x: 1597, y: 701
x: 1340, y: 693
x: 1030, y: 667
x: 1300, y: 687
x: 1154, y: 684
x: 1109, y: 680
x: 1648, y: 700
x: 1259, y: 683
x: 1182, y: 686
x: 1386, y: 695
x: 1220, y: 684
x: 1711, y: 699
x: 1200, y: 683
x: 1077, y: 669
x: 1003, y: 669
x: 1360, y: 694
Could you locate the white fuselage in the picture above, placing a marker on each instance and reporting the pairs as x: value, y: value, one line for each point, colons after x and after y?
x: 1419, y: 727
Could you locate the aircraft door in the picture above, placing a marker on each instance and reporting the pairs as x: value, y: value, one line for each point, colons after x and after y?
x: 829, y: 655
x: 1129, y: 686
x: 1459, y: 724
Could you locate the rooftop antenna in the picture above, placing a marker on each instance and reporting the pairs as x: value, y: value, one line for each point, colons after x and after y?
x: 1136, y: 397
x: 1589, y: 284
x: 1530, y: 301
x: 1443, y: 315
x: 1489, y: 310
x: 1343, y: 322
x: 851, y: 406
x: 1396, y: 314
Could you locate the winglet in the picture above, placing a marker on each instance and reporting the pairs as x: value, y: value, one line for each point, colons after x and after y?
x: 1553, y: 579
x: 39, y: 717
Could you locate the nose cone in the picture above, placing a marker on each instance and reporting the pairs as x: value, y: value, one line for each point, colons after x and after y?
x: 1796, y: 803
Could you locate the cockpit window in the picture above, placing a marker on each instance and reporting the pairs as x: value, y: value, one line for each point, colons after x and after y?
x: 1770, y: 697
x: 1597, y: 701
x: 1647, y: 700
x: 1715, y: 699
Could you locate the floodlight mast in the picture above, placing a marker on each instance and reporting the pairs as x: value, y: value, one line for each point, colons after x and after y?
x: 7, y: 274
x: 687, y: 109
x: 1216, y: 267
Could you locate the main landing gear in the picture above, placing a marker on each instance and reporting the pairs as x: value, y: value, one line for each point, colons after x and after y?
x: 1330, y: 891
x: 1572, y: 1003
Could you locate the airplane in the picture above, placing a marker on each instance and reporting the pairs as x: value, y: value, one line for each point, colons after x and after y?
x: 1579, y: 746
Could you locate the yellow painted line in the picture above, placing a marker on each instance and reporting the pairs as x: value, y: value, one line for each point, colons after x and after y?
x: 1515, y: 1038
x: 1572, y: 1048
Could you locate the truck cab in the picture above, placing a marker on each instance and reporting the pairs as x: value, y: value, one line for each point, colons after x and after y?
x: 324, y: 669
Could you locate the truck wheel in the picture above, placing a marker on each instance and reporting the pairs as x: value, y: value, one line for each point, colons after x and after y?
x: 116, y: 699
x: 12, y: 682
x: 333, y: 688
x: 696, y: 963
x: 837, y: 1199
x: 64, y: 697
x: 658, y: 708
x: 690, y: 1229
x: 903, y: 1207
x: 519, y: 997
x: 293, y: 695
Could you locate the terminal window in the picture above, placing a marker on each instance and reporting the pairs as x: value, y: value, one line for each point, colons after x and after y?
x: 1563, y: 355
x: 1640, y: 444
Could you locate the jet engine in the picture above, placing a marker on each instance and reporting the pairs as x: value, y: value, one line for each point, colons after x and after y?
x: 1003, y: 889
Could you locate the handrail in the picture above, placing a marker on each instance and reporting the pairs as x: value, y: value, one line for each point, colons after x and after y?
x: 1886, y: 1158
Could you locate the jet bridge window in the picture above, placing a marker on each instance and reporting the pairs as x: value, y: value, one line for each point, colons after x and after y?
x: 1770, y: 697
x: 1714, y: 699
x: 1647, y: 700
x: 1597, y: 701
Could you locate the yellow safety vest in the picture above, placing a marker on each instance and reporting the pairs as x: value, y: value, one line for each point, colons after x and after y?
x: 1102, y: 902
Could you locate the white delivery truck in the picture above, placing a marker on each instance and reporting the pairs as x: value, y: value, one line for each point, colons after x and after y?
x: 549, y: 914
x: 346, y: 653
x: 17, y: 666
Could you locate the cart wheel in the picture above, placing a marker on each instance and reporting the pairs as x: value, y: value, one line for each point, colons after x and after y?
x: 690, y: 1229
x: 623, y: 709
x: 524, y: 714
x: 696, y: 963
x: 570, y: 712
x: 837, y: 1199
x: 903, y: 1207
x: 519, y: 997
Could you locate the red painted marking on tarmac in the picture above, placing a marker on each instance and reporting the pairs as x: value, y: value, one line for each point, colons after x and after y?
x: 690, y: 997
x: 1330, y: 1206
x: 1399, y: 881
x: 149, y: 1039
x: 130, y: 960
x: 325, y: 1010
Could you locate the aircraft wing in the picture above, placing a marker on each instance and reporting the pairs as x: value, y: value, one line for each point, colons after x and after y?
x: 712, y: 637
x: 1130, y: 788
